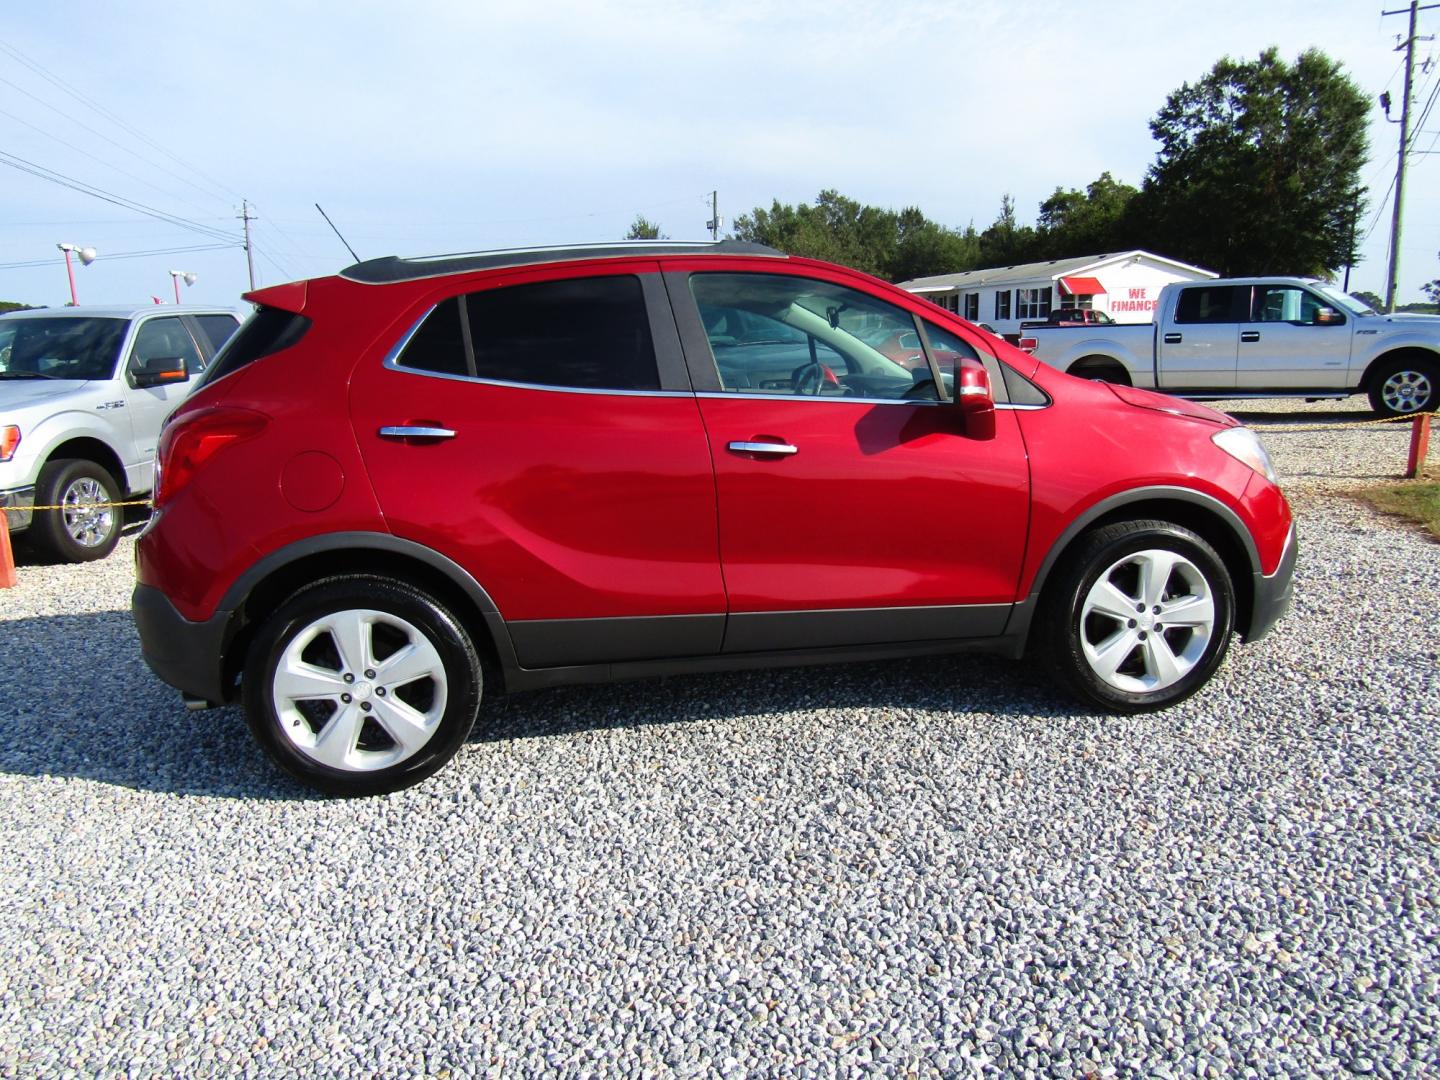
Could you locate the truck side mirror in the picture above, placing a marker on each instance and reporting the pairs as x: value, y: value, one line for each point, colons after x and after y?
x: 158, y: 371
x: 974, y: 398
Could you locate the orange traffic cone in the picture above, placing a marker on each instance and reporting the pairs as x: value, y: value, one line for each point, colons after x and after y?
x: 7, y: 556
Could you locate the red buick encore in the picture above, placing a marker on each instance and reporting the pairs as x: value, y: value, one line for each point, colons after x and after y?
x: 421, y: 479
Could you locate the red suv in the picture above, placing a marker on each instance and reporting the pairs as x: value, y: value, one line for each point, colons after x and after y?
x: 421, y: 478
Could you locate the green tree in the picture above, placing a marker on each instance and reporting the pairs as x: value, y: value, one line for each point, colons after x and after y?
x: 892, y: 245
x: 1369, y: 298
x: 13, y: 305
x: 1090, y: 222
x: 1258, y: 170
x: 1430, y: 289
x: 642, y: 228
x: 1007, y: 242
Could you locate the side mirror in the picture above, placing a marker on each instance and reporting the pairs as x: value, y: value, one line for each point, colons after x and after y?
x: 158, y: 371
x: 1328, y: 317
x: 975, y: 399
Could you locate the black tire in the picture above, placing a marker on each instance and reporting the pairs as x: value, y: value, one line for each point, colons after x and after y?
x: 1406, y: 385
x: 290, y: 728
x: 78, y: 535
x: 1117, y: 552
x: 1100, y: 369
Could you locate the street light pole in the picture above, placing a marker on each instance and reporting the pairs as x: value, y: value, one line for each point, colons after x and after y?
x: 87, y: 256
x: 176, y: 275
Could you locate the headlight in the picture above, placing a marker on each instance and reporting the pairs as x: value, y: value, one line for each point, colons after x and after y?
x: 1244, y: 445
x: 9, y: 440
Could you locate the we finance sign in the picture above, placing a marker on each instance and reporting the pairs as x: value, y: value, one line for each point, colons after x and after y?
x: 1135, y: 300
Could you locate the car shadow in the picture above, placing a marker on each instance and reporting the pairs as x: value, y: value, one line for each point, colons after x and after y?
x: 28, y: 553
x: 78, y: 702
x: 1296, y: 419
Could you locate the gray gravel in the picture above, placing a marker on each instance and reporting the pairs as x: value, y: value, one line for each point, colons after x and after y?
x: 925, y: 867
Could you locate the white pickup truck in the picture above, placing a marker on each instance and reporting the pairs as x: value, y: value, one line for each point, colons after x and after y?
x: 1258, y: 337
x: 83, y: 392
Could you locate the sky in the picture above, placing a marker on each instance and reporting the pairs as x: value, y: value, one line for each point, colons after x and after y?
x: 430, y: 127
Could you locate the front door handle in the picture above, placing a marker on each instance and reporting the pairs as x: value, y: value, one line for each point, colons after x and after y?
x: 763, y: 448
x: 1172, y: 339
x: 1250, y: 335
x: 412, y: 431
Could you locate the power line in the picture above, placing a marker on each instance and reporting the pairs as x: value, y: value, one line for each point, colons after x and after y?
x: 102, y: 135
x: 21, y: 164
x: 98, y: 160
x: 114, y: 119
x: 123, y: 255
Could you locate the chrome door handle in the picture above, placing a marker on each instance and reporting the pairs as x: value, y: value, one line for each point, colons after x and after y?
x: 763, y: 448
x: 1250, y: 335
x: 406, y: 431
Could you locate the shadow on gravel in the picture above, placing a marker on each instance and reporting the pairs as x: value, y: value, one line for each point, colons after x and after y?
x: 27, y: 554
x: 76, y: 700
x: 1284, y: 420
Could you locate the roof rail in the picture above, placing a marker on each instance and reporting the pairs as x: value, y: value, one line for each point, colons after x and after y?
x: 392, y: 268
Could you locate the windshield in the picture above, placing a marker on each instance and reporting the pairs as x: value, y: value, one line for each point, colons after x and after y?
x: 1344, y: 300
x: 60, y: 348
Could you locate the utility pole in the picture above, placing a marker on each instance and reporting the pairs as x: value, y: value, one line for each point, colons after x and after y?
x: 714, y: 223
x: 248, y: 217
x: 1392, y: 279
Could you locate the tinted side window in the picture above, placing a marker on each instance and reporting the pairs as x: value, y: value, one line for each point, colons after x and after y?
x: 438, y: 345
x: 1210, y: 304
x: 586, y: 333
x: 166, y: 337
x: 267, y: 331
x: 217, y: 329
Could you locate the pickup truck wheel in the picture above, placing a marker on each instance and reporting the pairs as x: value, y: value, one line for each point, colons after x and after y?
x: 86, y: 529
x: 1405, y: 385
x: 361, y: 685
x: 1139, y: 617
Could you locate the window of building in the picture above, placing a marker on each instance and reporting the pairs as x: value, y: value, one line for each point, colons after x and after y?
x: 1002, y: 304
x: 1032, y: 303
x: 972, y: 306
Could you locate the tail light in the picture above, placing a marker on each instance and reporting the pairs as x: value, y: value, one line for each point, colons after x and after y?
x: 189, y: 441
x: 1027, y: 344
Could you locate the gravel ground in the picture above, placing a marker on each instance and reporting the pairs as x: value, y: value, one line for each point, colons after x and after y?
x: 928, y: 867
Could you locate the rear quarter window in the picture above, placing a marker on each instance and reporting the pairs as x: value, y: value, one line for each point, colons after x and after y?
x: 266, y: 332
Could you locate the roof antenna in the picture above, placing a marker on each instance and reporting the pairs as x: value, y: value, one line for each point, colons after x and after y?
x: 337, y: 233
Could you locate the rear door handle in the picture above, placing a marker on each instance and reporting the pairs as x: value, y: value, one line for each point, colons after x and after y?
x: 1172, y: 339
x: 1250, y: 335
x: 409, y: 431
x: 763, y: 448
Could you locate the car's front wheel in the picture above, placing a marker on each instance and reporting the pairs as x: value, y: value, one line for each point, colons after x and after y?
x: 86, y: 524
x: 1139, y: 617
x: 360, y: 685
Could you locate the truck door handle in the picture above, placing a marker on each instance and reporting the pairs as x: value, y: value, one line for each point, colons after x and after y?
x: 409, y: 431
x: 1172, y: 339
x: 1250, y: 335
x: 763, y: 448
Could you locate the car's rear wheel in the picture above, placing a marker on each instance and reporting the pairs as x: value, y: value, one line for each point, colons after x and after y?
x: 1139, y: 617
x: 360, y: 685
x: 87, y: 526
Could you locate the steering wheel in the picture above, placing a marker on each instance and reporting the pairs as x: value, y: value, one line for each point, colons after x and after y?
x: 810, y: 378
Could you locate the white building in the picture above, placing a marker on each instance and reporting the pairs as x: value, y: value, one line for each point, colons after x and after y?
x: 1124, y: 285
